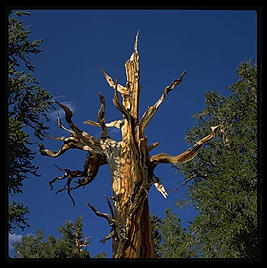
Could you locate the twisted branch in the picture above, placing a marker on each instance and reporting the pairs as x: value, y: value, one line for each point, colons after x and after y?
x: 185, y: 156
x: 116, y: 123
x: 150, y: 112
x: 101, y: 119
x: 110, y: 220
x: 120, y: 88
x: 78, y: 139
x: 118, y: 105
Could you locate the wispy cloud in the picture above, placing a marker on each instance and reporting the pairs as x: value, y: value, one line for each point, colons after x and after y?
x: 12, y: 238
x: 60, y: 111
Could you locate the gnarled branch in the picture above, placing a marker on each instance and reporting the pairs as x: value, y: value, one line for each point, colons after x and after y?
x: 68, y: 174
x: 118, y: 105
x: 110, y: 220
x: 91, y: 167
x: 101, y: 117
x: 67, y: 144
x: 117, y: 123
x: 153, y: 145
x: 120, y: 88
x: 78, y: 139
x: 185, y: 156
x: 150, y: 112
x: 68, y: 116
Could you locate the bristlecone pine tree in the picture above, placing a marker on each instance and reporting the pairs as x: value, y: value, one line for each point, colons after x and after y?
x: 130, y: 164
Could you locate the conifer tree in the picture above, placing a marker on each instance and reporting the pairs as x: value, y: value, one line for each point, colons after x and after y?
x: 171, y: 240
x: 28, y: 106
x: 224, y: 176
x: 72, y: 244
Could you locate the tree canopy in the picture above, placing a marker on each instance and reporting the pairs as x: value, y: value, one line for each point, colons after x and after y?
x: 70, y: 245
x: 28, y: 107
x: 223, y: 179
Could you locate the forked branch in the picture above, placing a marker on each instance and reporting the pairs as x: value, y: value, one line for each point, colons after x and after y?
x: 110, y: 220
x: 118, y: 105
x: 91, y: 167
x: 120, y: 88
x: 78, y: 139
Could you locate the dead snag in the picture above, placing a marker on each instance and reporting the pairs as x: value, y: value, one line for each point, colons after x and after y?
x: 131, y: 166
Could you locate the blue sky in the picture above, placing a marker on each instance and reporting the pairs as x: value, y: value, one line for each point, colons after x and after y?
x: 209, y: 45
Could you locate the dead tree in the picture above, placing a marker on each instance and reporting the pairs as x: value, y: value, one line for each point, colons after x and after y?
x: 129, y: 160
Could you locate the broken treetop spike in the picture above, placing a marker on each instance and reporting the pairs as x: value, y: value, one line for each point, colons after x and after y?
x: 136, y: 41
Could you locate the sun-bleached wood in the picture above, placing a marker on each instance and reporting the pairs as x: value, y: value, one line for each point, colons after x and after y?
x: 131, y: 166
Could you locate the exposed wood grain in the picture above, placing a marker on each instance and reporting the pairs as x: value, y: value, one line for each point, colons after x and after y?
x: 131, y: 167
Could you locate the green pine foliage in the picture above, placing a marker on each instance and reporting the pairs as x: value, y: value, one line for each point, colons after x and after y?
x: 16, y: 216
x: 223, y: 179
x: 225, y: 188
x: 34, y: 246
x: 28, y: 106
x: 169, y: 237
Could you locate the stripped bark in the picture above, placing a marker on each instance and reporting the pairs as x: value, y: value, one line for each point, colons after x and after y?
x: 131, y: 167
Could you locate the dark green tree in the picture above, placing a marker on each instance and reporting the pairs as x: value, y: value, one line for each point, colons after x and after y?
x: 171, y: 240
x: 70, y: 245
x: 28, y: 106
x: 224, y: 175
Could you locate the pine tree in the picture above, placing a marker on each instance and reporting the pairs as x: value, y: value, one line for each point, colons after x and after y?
x: 171, y: 240
x: 71, y: 245
x: 28, y: 106
x: 225, y: 173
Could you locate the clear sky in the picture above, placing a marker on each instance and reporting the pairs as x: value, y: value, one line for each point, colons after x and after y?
x: 209, y: 45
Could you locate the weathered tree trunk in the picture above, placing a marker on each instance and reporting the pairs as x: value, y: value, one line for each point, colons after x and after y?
x: 129, y: 160
x: 131, y: 179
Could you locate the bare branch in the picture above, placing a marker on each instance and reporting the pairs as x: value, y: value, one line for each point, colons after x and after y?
x: 118, y: 105
x: 91, y: 166
x: 120, y: 88
x: 108, y: 236
x: 51, y: 153
x: 185, y: 156
x: 81, y: 135
x: 56, y: 138
x: 150, y: 112
x: 101, y: 117
x: 157, y: 183
x: 57, y: 178
x: 109, y: 205
x: 68, y: 174
x: 68, y: 116
x: 61, y: 126
x: 78, y: 139
x: 153, y: 145
x: 92, y: 123
x: 110, y: 220
x: 184, y: 183
x: 116, y: 123
x: 71, y: 142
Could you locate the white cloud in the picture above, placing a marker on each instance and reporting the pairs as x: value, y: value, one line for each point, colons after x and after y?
x: 12, y: 238
x: 60, y: 111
